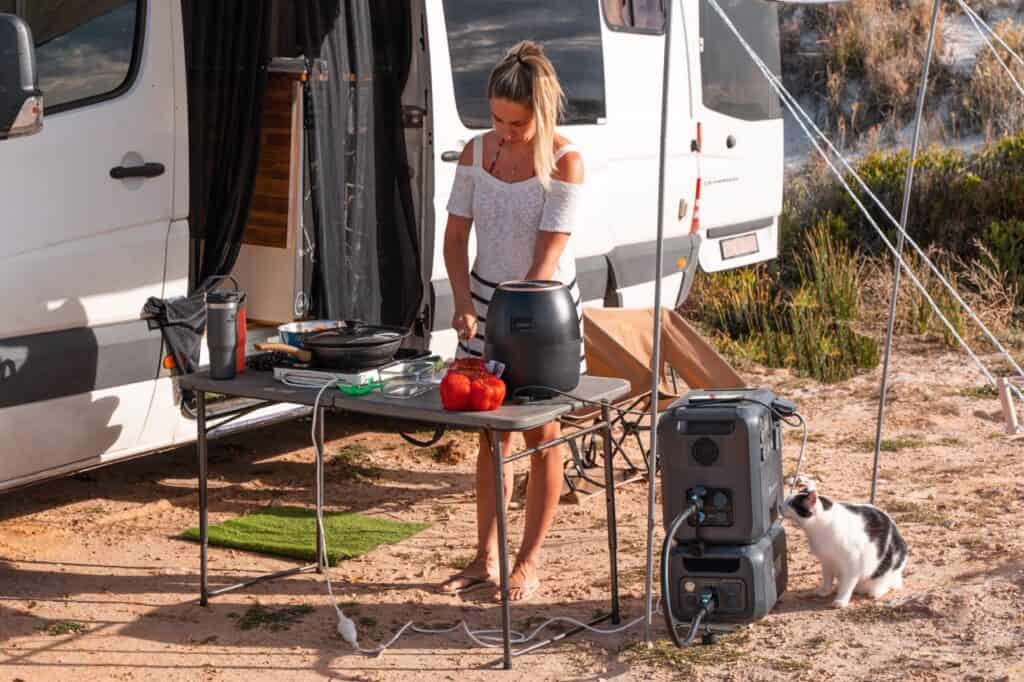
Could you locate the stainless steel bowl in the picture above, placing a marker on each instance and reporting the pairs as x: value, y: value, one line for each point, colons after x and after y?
x: 295, y: 333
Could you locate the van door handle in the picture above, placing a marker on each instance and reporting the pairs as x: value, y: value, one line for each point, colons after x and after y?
x: 146, y: 170
x: 450, y: 157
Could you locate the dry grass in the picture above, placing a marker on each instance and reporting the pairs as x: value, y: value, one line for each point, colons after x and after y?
x: 989, y: 100
x: 862, y: 62
x: 982, y: 283
x: 867, y: 62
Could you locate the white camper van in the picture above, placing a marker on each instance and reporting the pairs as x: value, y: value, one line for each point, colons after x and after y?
x: 114, y: 157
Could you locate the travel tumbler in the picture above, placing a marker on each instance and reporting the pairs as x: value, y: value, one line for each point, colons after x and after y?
x: 222, y: 332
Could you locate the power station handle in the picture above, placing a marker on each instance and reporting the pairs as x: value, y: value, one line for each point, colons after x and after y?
x: 146, y: 170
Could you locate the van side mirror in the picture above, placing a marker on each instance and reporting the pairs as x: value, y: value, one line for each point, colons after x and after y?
x: 21, y: 100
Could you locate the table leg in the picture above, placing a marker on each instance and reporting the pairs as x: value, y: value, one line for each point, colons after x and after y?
x: 609, y: 499
x: 204, y: 588
x: 318, y: 485
x: 499, y: 486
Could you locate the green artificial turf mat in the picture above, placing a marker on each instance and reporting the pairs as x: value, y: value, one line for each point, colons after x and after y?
x: 291, y: 532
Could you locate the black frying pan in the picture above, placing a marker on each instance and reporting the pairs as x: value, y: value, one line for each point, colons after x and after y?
x: 350, y: 349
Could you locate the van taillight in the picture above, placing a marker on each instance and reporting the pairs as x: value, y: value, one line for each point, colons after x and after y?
x: 695, y: 224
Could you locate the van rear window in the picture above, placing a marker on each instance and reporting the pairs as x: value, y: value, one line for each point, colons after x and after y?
x: 732, y: 84
x: 479, y: 34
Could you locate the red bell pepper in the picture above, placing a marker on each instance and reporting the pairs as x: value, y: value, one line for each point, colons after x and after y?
x: 499, y: 391
x: 469, y: 388
x: 481, y: 396
x: 455, y: 391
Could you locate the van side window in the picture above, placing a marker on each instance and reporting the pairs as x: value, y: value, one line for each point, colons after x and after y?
x: 733, y: 85
x: 85, y: 51
x: 480, y: 33
x: 635, y: 16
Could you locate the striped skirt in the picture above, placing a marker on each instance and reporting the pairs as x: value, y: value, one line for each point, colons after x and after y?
x: 482, y: 290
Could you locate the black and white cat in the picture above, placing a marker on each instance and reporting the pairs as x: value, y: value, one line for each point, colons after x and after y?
x: 858, y: 545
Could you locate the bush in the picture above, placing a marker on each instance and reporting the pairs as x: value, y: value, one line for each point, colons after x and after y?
x: 955, y: 197
x: 807, y: 327
x: 830, y: 269
x: 833, y: 271
x: 1005, y: 241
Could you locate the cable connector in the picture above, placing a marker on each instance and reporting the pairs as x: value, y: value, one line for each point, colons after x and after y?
x: 347, y: 629
x: 708, y: 602
x: 695, y: 496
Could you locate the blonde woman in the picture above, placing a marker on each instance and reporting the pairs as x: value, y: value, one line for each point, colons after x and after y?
x: 519, y: 186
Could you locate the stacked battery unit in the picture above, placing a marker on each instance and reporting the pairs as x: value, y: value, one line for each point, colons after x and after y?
x: 728, y: 445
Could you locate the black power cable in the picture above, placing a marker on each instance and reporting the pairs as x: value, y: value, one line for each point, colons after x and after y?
x: 707, y: 598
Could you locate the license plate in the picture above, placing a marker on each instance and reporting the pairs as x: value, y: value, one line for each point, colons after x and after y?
x: 736, y: 247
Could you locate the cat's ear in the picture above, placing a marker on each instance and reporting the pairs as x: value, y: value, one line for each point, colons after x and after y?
x: 812, y: 498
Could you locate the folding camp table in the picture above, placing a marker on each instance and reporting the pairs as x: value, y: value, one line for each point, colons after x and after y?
x: 262, y: 387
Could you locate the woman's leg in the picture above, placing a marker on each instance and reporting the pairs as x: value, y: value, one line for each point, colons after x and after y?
x: 542, y: 494
x: 485, y: 563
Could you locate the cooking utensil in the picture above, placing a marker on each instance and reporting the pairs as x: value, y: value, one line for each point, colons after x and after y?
x: 352, y: 348
x: 297, y: 353
x: 295, y: 333
x: 356, y: 348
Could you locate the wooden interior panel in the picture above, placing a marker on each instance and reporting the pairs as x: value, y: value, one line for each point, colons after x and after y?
x: 268, y: 218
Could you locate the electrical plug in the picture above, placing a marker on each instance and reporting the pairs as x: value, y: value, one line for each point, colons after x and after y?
x: 697, y: 495
x: 784, y: 407
x: 708, y: 601
x: 347, y: 629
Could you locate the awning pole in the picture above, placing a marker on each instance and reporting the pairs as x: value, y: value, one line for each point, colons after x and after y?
x: 907, y: 186
x: 652, y: 459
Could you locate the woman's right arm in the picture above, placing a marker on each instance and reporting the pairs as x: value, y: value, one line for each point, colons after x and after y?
x: 456, y: 253
x: 456, y: 260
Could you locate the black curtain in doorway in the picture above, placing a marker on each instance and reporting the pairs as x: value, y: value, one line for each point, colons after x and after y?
x: 227, y: 48
x: 226, y: 52
x: 367, y: 250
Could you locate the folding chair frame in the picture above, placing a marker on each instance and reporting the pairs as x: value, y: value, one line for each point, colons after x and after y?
x: 626, y: 424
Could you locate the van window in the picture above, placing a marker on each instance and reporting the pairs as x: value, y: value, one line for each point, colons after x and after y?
x: 84, y: 50
x: 480, y: 33
x: 635, y: 16
x: 732, y: 84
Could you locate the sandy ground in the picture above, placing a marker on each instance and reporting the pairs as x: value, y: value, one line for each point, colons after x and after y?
x: 98, y: 553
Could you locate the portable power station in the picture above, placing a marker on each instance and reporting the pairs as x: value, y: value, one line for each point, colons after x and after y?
x: 731, y: 443
x: 722, y: 493
x: 746, y: 580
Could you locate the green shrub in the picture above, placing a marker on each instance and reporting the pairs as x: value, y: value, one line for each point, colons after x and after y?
x: 829, y: 267
x: 1005, y: 241
x: 805, y: 328
x: 916, y: 315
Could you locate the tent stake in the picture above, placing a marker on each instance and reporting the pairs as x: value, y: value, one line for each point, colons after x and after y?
x: 907, y: 186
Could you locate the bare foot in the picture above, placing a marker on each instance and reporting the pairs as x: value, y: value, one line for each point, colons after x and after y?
x: 523, y: 582
x: 480, y: 573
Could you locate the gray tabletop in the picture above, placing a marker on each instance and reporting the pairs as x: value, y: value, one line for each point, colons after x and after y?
x: 425, y: 408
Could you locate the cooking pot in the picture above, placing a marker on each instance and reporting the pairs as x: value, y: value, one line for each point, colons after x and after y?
x: 350, y: 348
x: 533, y: 328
